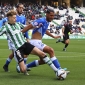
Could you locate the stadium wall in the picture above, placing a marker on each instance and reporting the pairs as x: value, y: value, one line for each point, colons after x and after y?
x: 47, y: 2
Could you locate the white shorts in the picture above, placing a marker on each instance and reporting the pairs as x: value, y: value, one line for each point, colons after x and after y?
x: 38, y: 44
x: 10, y: 45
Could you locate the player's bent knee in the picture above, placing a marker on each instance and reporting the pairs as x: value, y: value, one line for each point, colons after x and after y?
x: 51, y: 50
x: 67, y: 43
x: 42, y: 54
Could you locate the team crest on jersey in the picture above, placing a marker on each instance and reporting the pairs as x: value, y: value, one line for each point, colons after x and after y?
x: 35, y: 23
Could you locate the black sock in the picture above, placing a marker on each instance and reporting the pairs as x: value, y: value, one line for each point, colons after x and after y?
x: 66, y: 45
x: 63, y: 41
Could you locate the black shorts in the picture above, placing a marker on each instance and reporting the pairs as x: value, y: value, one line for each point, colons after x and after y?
x: 25, y: 49
x: 65, y: 37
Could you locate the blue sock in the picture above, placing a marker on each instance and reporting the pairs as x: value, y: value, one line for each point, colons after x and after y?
x: 25, y: 60
x: 32, y: 64
x: 55, y: 62
x: 8, y: 61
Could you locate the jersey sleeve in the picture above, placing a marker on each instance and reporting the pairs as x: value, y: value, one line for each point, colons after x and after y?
x: 37, y: 22
x: 5, y: 20
x: 2, y: 30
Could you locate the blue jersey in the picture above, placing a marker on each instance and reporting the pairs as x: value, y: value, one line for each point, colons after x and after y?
x: 2, y: 22
x: 22, y: 19
x: 42, y: 29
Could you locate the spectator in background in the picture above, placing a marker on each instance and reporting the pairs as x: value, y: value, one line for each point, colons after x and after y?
x: 51, y: 28
x: 57, y: 31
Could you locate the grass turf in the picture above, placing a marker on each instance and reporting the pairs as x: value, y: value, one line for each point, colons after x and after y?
x: 73, y: 59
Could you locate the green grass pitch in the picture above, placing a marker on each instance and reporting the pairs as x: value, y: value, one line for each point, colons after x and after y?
x: 73, y: 59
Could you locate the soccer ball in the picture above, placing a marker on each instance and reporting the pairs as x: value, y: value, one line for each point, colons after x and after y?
x: 18, y: 69
x: 61, y: 74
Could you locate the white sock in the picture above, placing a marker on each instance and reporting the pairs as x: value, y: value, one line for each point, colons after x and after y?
x: 8, y: 59
x: 49, y: 62
x: 36, y: 62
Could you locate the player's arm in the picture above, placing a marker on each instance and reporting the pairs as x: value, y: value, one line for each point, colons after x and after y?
x: 5, y: 20
x: 28, y: 27
x: 49, y: 34
x: 35, y: 24
x: 25, y: 28
x: 71, y: 30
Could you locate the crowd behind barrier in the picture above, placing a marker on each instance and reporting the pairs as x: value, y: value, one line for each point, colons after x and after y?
x: 62, y: 16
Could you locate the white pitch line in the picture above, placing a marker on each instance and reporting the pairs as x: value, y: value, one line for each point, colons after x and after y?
x: 56, y: 51
x: 57, y: 56
x: 70, y: 52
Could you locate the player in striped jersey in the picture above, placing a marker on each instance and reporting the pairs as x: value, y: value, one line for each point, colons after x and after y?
x: 13, y: 30
x: 21, y: 19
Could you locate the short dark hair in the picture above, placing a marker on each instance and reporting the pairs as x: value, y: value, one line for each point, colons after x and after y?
x: 49, y: 10
x: 18, y: 5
